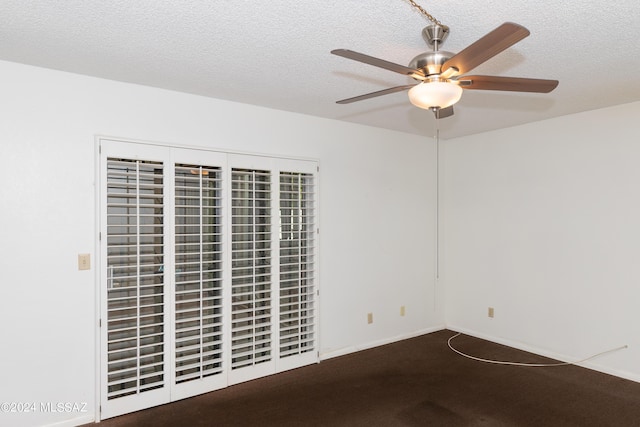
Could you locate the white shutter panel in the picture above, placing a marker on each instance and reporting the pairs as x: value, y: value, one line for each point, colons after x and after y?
x: 297, y: 264
x: 135, y: 277
x: 198, y: 272
x: 251, y: 268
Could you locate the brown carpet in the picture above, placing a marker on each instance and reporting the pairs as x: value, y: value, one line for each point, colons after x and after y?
x: 416, y: 382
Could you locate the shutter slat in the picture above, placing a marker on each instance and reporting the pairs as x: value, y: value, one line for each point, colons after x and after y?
x: 297, y: 266
x: 251, y: 266
x: 197, y: 227
x: 135, y: 231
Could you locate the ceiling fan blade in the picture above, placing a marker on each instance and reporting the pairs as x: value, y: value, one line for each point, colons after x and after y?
x: 376, y: 62
x: 375, y: 94
x: 490, y: 45
x: 515, y: 84
x: 443, y: 113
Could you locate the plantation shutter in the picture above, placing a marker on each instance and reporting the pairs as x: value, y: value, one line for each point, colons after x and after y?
x: 198, y: 272
x: 251, y: 336
x: 207, y: 271
x: 135, y: 279
x: 297, y: 264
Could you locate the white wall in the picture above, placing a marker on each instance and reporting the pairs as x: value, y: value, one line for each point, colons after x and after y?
x: 542, y: 222
x: 377, y: 217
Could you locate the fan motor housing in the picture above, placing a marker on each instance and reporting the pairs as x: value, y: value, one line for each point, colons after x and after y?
x: 430, y: 62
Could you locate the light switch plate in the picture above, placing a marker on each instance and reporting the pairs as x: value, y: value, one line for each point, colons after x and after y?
x: 84, y: 261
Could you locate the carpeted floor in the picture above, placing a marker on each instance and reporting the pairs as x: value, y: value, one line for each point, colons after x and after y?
x: 416, y: 382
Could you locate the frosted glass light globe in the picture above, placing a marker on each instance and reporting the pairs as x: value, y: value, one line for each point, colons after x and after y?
x: 435, y: 94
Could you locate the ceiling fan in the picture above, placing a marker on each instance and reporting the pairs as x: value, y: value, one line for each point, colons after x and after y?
x: 441, y: 74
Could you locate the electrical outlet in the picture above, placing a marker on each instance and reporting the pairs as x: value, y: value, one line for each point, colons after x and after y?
x: 490, y: 312
x: 84, y: 262
x: 402, y: 311
x: 369, y: 317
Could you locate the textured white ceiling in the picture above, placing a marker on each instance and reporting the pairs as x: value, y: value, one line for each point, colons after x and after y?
x: 275, y: 53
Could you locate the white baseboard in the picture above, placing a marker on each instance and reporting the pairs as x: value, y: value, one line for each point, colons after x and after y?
x: 86, y: 419
x: 352, y: 349
x: 541, y: 352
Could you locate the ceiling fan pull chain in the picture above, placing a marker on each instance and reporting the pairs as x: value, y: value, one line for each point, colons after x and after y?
x: 424, y: 12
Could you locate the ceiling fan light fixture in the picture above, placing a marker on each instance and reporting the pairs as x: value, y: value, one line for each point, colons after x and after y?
x: 436, y: 94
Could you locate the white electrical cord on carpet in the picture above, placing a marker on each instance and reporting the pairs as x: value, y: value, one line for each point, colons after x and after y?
x: 534, y: 365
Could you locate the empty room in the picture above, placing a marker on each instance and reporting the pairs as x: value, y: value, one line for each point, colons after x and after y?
x: 319, y: 213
